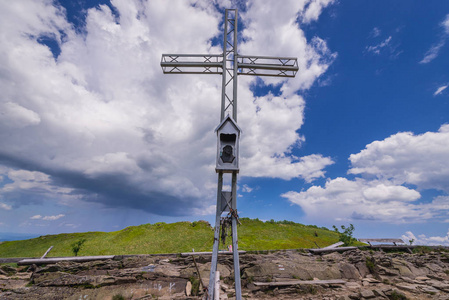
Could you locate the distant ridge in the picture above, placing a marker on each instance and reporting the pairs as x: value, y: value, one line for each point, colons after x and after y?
x: 8, y: 236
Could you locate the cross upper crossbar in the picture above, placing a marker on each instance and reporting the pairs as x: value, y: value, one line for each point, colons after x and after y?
x: 213, y: 64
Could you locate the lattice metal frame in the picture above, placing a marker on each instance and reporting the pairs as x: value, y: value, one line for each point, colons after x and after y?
x: 229, y: 64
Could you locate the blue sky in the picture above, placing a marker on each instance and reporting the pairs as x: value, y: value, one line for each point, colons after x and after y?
x: 96, y: 137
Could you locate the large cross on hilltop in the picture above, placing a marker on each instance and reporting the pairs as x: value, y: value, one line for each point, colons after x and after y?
x: 229, y: 64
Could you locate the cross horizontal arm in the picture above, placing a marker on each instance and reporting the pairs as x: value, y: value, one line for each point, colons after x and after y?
x: 267, y: 66
x: 213, y: 64
x: 192, y: 63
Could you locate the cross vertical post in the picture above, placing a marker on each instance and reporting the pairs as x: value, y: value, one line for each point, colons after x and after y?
x: 229, y: 65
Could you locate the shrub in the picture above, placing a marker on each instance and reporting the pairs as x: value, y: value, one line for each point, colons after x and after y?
x: 346, y: 234
x: 76, y: 247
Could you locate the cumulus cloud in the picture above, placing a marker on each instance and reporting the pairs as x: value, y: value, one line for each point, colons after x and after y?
x: 440, y: 90
x: 361, y: 199
x: 32, y: 187
x: 99, y: 121
x: 5, y: 206
x: 422, y: 239
x: 314, y: 8
x: 390, y: 170
x: 421, y: 160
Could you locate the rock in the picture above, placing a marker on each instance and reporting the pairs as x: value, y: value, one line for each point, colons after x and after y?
x: 367, y: 294
x: 363, y: 269
x: 352, y: 285
x: 371, y: 280
x: 379, y: 293
x: 348, y: 271
x: 7, y: 270
x: 438, y: 284
x: 422, y: 278
x: 407, y: 287
x: 188, y: 289
x: 429, y: 290
x: 66, y: 279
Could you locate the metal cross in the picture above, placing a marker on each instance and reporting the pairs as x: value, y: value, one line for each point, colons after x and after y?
x: 229, y: 64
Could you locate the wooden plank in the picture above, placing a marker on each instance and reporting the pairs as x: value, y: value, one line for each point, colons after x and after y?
x: 300, y: 282
x: 45, y: 254
x: 382, y: 241
x: 210, y: 253
x: 53, y: 260
x: 338, y: 249
x: 393, y: 246
x: 333, y: 245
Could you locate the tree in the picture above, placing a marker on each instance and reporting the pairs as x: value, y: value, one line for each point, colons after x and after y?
x: 346, y: 234
x: 76, y: 247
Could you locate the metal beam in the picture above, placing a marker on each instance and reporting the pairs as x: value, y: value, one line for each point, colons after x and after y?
x: 192, y: 63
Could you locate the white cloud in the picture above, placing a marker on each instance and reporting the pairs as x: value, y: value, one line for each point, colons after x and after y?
x: 16, y: 116
x: 377, y: 48
x: 445, y: 24
x: 33, y: 187
x: 314, y: 9
x: 433, y: 52
x: 102, y: 123
x: 247, y: 189
x: 422, y: 160
x: 52, y: 218
x: 5, y: 206
x: 376, y: 32
x: 360, y: 199
x: 210, y: 210
x: 47, y: 218
x: 440, y: 90
x: 424, y: 240
x: 389, y: 168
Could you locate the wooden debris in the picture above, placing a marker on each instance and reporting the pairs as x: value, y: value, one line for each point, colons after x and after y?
x: 210, y: 253
x: 325, y: 250
x: 300, y: 282
x: 53, y: 260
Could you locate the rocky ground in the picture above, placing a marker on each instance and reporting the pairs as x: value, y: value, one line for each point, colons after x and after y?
x: 365, y: 274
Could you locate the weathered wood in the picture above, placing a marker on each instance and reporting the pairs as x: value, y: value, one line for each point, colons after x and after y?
x: 337, y: 249
x: 394, y: 241
x: 210, y: 253
x: 217, y: 285
x: 45, y: 254
x: 300, y: 282
x: 333, y: 245
x: 53, y: 260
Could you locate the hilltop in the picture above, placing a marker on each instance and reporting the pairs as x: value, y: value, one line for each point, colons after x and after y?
x: 174, y: 238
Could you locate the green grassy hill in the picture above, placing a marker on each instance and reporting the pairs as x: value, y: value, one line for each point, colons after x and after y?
x: 173, y: 238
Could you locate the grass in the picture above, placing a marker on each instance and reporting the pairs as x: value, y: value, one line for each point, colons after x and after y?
x: 173, y: 238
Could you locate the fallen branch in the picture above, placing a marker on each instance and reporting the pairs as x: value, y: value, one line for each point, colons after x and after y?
x: 53, y: 260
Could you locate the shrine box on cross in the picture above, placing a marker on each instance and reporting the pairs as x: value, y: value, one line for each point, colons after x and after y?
x: 228, y: 135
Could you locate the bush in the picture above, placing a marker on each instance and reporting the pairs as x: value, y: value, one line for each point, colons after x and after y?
x: 346, y: 234
x: 76, y: 247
